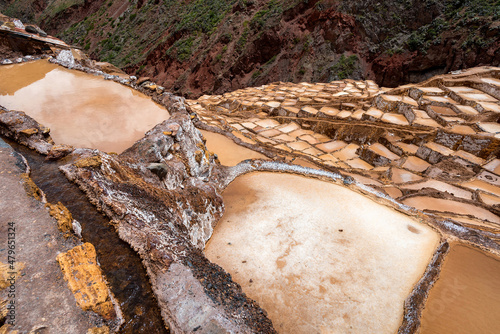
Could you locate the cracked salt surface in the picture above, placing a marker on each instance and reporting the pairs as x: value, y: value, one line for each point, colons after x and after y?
x: 318, y: 257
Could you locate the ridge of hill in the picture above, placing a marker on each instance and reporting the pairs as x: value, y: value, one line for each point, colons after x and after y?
x: 198, y: 47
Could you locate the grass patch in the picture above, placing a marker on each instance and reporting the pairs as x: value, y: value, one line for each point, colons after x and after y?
x: 273, y: 9
x: 184, y: 48
x: 59, y: 6
x: 345, y: 67
x: 203, y: 16
x: 242, y: 41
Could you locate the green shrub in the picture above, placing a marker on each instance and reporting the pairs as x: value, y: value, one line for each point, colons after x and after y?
x: 345, y: 67
x: 260, y: 19
x: 203, y: 16
x: 242, y: 41
x: 184, y: 48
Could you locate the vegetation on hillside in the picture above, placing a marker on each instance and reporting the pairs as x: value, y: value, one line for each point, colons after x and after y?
x: 315, y: 40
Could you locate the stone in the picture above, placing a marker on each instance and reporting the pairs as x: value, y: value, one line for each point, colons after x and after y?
x: 59, y: 151
x: 31, y: 29
x: 9, y: 25
x: 160, y: 169
x: 99, y: 330
x: 63, y: 217
x: 92, y: 162
x: 85, y: 280
x: 29, y: 132
x: 173, y: 128
x: 142, y: 80
x: 31, y: 188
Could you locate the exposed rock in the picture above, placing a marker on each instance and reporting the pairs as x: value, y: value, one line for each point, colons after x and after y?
x: 142, y: 80
x: 99, y: 330
x: 31, y: 188
x: 109, y: 68
x: 93, y: 161
x: 63, y: 217
x: 59, y: 151
x: 260, y: 42
x: 32, y: 29
x: 43, y: 301
x: 84, y: 277
x: 168, y: 220
x: 159, y: 169
x: 25, y: 130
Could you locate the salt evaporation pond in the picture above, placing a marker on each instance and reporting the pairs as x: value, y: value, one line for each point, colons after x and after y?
x: 318, y: 257
x: 466, y: 297
x: 80, y: 109
x: 228, y: 152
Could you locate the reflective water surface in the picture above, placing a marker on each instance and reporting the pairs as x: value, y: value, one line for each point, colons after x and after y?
x: 80, y: 109
x: 229, y: 153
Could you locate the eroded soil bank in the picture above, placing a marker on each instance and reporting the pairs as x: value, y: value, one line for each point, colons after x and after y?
x: 319, y: 257
x: 81, y: 110
x: 466, y: 297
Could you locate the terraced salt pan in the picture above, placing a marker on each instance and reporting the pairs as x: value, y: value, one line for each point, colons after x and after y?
x: 441, y: 186
x: 466, y: 297
x: 81, y: 110
x: 348, y: 152
x: 493, y: 166
x: 489, y: 199
x: 383, y: 151
x: 318, y: 257
x: 481, y: 185
x: 489, y: 127
x: 228, y: 152
x: 416, y: 164
x: 402, y: 176
x: 444, y: 205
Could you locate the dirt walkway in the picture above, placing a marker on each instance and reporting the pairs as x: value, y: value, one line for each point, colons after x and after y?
x: 42, y: 298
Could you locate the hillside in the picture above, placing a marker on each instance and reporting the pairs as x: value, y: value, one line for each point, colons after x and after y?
x: 196, y: 47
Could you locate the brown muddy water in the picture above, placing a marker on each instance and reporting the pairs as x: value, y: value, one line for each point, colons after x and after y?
x: 80, y: 109
x: 304, y: 250
x: 121, y: 265
x: 229, y: 153
x: 466, y: 297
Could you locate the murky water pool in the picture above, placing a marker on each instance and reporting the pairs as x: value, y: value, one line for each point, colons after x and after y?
x: 80, y: 109
x: 229, y: 153
x: 318, y: 257
x: 466, y: 297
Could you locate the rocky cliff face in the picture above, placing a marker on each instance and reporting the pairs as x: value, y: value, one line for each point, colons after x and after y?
x: 195, y: 47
